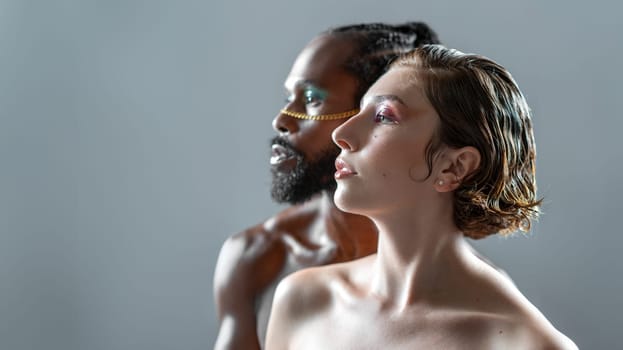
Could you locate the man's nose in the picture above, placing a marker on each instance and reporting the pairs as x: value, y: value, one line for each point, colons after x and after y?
x: 285, y: 124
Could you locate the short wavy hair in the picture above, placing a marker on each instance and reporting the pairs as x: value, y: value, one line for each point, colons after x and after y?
x: 480, y: 105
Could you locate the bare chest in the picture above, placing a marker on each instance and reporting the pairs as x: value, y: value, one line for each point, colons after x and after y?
x: 355, y: 329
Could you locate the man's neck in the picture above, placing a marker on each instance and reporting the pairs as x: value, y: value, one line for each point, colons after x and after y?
x: 354, y: 235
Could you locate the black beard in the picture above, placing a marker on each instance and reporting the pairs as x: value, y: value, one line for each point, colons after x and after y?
x: 307, y: 179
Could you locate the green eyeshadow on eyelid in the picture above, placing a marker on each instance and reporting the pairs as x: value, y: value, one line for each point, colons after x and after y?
x: 312, y: 91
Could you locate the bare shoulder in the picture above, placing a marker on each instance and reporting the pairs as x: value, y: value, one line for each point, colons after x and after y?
x: 302, y: 296
x: 532, y: 329
x: 525, y: 331
x: 511, y: 321
x: 306, y: 292
x: 249, y: 263
x: 250, y: 260
x: 314, y: 290
x: 491, y: 312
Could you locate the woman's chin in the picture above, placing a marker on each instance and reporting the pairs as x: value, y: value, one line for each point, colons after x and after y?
x: 346, y: 204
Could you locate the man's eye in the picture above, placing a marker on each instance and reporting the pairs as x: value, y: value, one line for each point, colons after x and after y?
x: 312, y: 99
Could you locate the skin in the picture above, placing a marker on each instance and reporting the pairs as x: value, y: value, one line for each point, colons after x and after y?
x: 251, y: 263
x: 425, y: 288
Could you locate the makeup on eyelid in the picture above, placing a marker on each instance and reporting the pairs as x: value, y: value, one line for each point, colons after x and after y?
x: 312, y: 93
x: 385, y: 114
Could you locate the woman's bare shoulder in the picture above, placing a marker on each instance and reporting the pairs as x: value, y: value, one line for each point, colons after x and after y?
x: 525, y: 331
x: 301, y: 297
x: 313, y: 290
x: 492, y: 306
x: 519, y: 324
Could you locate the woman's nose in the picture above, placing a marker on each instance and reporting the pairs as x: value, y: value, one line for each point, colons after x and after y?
x: 343, y: 136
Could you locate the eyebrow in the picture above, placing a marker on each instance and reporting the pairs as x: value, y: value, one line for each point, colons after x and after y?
x: 381, y: 98
x: 309, y: 85
x: 306, y: 83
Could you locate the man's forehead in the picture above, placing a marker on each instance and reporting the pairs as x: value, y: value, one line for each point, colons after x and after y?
x: 322, y: 56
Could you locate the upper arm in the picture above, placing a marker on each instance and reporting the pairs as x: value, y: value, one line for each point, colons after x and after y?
x: 248, y: 262
x: 230, y: 289
x: 234, y: 299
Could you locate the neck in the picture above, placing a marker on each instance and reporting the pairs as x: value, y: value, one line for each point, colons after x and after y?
x: 417, y: 254
x: 354, y: 235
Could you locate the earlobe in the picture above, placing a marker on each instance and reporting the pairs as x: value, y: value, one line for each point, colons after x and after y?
x: 442, y: 185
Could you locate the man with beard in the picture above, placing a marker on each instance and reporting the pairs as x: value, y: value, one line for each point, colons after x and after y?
x: 324, y: 86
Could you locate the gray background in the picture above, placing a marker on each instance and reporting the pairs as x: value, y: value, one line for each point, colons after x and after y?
x: 134, y: 140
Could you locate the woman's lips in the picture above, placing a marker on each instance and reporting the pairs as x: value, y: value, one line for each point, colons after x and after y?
x: 343, y: 170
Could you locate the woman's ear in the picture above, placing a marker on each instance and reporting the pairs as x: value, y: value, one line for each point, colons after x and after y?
x: 457, y: 164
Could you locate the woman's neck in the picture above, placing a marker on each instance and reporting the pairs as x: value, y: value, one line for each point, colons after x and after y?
x: 416, y: 255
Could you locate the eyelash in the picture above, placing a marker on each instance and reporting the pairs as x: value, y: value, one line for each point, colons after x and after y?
x: 309, y: 100
x: 380, y: 117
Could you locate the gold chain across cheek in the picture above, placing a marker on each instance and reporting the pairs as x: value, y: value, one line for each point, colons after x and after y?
x: 321, y: 117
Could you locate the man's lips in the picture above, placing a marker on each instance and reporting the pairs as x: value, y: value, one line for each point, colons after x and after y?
x: 279, y: 154
x: 343, y: 170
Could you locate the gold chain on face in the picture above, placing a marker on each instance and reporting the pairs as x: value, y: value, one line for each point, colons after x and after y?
x: 321, y: 117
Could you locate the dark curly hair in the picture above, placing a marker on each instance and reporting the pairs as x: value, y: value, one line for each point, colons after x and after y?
x: 479, y: 104
x: 377, y: 44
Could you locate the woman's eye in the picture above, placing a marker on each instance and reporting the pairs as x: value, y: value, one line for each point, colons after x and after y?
x: 383, y: 119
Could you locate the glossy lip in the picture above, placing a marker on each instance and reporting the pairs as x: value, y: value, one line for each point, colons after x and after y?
x: 343, y: 169
x: 279, y: 154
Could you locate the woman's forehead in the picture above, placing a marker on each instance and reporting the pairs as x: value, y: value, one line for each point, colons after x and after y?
x: 403, y: 83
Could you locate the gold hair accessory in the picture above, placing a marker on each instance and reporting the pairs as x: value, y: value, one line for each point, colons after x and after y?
x: 321, y: 117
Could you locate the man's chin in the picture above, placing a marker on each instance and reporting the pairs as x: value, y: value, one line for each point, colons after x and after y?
x: 284, y: 192
x: 284, y: 168
x: 289, y: 193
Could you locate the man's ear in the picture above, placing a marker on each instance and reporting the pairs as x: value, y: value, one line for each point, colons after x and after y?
x: 457, y: 164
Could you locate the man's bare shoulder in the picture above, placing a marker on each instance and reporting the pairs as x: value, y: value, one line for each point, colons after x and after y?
x: 241, y: 258
x: 250, y: 259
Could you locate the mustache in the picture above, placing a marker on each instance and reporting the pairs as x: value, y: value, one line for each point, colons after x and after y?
x: 277, y: 140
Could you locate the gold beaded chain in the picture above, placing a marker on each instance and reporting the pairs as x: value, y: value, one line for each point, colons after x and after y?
x: 321, y: 117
